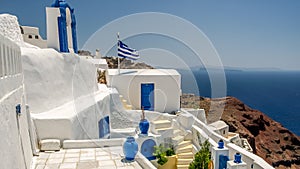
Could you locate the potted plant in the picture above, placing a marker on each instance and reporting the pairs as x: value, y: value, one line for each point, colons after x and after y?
x: 144, y: 124
x: 166, y: 157
x: 202, y: 158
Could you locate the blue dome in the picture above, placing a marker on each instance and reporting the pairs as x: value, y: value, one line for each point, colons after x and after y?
x: 60, y: 3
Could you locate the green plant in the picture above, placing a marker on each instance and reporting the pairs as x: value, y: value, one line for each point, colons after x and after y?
x: 202, y: 157
x: 170, y: 151
x: 161, y: 153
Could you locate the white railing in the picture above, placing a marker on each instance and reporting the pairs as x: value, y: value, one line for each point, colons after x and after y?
x: 10, y: 58
x: 202, y: 132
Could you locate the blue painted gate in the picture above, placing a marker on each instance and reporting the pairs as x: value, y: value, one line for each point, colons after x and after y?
x: 147, y: 149
x: 147, y: 96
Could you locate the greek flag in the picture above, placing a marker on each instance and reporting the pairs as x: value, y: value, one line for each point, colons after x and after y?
x: 126, y: 52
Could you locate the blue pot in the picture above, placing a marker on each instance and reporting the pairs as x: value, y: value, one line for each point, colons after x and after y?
x: 144, y: 126
x: 130, y: 148
x: 221, y: 144
x: 237, y: 158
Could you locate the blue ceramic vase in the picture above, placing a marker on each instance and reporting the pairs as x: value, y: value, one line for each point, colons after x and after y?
x: 237, y: 158
x: 130, y: 148
x: 144, y: 126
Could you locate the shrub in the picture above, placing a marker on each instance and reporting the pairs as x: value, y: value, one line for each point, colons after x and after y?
x: 202, y: 157
x: 160, y: 152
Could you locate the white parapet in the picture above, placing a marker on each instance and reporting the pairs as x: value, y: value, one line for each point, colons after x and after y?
x: 233, y: 165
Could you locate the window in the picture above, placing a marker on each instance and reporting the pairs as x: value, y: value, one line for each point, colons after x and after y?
x: 223, y: 132
x: 30, y: 36
x: 36, y: 37
x: 22, y: 31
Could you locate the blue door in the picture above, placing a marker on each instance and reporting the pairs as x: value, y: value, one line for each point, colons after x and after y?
x: 147, y: 96
x: 104, y: 129
x: 223, y: 161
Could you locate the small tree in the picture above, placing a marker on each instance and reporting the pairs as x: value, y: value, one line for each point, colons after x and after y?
x: 202, y: 157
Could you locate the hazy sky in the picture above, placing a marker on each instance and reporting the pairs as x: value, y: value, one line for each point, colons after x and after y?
x: 250, y: 33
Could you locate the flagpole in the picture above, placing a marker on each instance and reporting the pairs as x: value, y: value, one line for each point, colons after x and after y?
x: 118, y: 36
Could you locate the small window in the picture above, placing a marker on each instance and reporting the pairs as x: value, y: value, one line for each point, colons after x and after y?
x: 223, y: 132
x: 30, y: 36
x: 36, y: 37
x: 22, y: 31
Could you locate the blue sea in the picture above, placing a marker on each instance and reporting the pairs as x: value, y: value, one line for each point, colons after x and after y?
x: 275, y: 93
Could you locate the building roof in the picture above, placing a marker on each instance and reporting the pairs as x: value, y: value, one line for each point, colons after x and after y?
x: 143, y: 72
x: 218, y: 124
x: 98, y: 61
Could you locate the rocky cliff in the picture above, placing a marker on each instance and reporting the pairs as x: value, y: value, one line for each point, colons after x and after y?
x: 268, y: 138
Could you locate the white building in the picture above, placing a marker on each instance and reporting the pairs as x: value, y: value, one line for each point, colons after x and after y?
x: 220, y: 127
x: 153, y: 89
x: 32, y: 36
x: 99, y: 63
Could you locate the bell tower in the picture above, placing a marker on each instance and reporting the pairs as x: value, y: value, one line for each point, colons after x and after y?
x: 61, y: 27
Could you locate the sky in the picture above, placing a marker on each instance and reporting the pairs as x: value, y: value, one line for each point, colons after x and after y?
x: 246, y: 34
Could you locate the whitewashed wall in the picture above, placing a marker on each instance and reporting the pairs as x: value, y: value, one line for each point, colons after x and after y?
x: 62, y: 94
x: 52, y: 27
x: 15, y: 143
x: 53, y: 79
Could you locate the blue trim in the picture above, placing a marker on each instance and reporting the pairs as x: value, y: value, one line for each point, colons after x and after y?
x: 62, y: 30
x: 74, y: 34
x: 62, y: 26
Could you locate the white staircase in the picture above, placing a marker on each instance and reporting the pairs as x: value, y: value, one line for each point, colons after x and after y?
x: 125, y: 104
x: 183, y: 148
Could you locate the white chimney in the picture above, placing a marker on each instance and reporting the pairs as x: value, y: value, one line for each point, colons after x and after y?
x: 97, y: 54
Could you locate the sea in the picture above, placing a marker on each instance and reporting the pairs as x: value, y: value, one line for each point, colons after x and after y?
x: 275, y: 93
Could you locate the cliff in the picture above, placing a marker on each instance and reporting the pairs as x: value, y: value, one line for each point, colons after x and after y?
x: 268, y: 138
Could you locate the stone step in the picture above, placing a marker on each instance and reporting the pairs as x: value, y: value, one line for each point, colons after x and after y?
x: 176, y: 140
x: 128, y: 107
x: 186, y: 149
x: 183, y: 144
x: 124, y: 102
x: 163, y: 131
x: 185, y: 155
x: 177, y: 133
x: 184, y: 161
x: 182, y: 166
x: 162, y: 124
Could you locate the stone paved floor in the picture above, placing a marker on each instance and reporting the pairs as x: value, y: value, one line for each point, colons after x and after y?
x: 89, y: 158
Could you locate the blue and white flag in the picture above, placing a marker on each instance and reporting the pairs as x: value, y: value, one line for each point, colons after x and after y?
x: 126, y: 52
